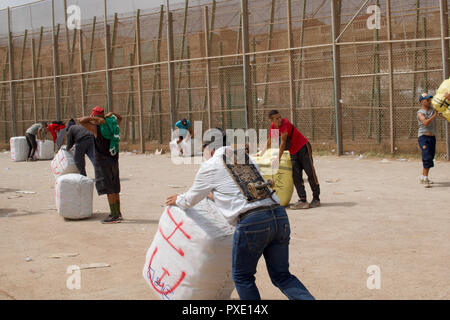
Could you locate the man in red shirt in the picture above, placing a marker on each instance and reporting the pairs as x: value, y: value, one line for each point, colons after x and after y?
x: 301, y: 157
x: 55, y: 127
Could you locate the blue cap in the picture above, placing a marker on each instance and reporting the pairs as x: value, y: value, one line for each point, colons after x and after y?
x: 425, y: 96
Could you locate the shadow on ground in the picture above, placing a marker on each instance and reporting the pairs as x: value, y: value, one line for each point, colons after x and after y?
x: 101, y: 216
x: 11, y: 213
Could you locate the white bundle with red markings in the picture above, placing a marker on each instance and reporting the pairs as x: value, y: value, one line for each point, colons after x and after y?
x: 190, y: 256
x: 19, y: 148
x: 44, y: 150
x: 63, y: 163
x: 73, y: 196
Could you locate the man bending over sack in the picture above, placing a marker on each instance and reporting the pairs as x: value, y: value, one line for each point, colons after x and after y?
x: 37, y: 129
x: 84, y: 145
x: 106, y: 141
x: 262, y: 225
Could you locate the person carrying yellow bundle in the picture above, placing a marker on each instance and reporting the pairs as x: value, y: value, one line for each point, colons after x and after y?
x: 301, y: 158
x: 426, y: 117
x: 441, y: 102
x: 282, y: 176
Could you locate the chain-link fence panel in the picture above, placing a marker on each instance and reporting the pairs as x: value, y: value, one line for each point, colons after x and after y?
x: 290, y: 72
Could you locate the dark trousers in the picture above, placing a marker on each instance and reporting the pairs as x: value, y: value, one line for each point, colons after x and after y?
x: 303, y: 160
x: 82, y: 148
x: 32, y: 144
x: 428, y: 146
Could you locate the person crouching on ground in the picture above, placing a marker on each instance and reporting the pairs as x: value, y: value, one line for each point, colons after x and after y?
x: 106, y: 142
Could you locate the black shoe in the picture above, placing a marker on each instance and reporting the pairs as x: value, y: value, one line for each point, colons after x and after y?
x: 315, y: 203
x: 111, y: 219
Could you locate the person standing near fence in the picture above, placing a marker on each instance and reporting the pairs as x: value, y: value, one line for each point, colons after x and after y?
x: 106, y: 141
x: 37, y: 129
x: 301, y: 157
x: 426, y: 117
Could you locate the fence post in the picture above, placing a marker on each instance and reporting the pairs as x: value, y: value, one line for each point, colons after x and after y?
x: 170, y: 69
x: 55, y: 65
x: 246, y: 63
x: 292, y: 99
x: 68, y: 99
x: 391, y: 76
x: 335, y: 26
x: 107, y: 62
x: 139, y: 70
x: 208, y: 65
x: 11, y: 77
x: 83, y: 102
x: 444, y: 34
x: 33, y: 72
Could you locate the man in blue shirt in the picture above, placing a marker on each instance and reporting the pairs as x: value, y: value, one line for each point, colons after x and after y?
x: 183, y: 126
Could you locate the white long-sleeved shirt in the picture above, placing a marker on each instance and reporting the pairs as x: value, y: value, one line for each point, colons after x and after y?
x: 228, y: 199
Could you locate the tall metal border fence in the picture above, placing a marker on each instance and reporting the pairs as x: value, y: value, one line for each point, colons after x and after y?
x: 348, y: 73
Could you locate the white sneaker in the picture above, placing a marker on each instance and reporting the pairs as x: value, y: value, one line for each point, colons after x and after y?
x: 425, y: 181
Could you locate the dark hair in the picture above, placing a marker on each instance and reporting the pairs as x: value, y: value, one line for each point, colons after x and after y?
x: 273, y: 113
x: 184, y: 122
x: 44, y: 123
x: 70, y: 123
x: 61, y: 123
x: 213, y: 140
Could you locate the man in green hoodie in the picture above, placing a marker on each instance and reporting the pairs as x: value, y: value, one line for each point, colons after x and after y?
x: 106, y: 140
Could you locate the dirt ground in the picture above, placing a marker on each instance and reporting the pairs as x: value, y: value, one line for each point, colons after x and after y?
x: 373, y: 212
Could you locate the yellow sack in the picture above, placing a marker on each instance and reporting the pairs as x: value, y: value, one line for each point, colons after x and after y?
x: 284, y: 183
x: 440, y: 104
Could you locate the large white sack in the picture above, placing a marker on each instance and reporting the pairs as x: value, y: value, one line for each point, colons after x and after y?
x: 73, y: 196
x: 19, y: 148
x: 187, y: 145
x: 190, y: 256
x: 175, y: 149
x: 63, y: 163
x: 44, y: 150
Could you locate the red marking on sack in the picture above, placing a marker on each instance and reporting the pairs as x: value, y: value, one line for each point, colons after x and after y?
x: 183, y: 275
x: 178, y: 227
x: 61, y: 158
x: 55, y: 170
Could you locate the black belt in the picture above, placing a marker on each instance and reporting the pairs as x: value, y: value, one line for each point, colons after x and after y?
x: 246, y: 213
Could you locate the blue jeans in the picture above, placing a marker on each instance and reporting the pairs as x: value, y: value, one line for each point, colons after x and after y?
x: 265, y: 232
